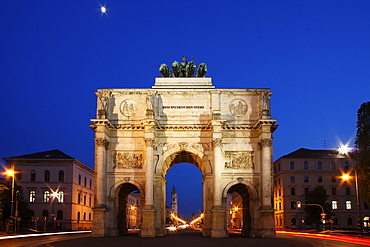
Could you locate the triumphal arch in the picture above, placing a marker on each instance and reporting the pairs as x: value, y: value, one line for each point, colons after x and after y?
x: 141, y: 133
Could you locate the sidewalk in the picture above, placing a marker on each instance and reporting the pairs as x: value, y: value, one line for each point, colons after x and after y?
x: 182, y: 238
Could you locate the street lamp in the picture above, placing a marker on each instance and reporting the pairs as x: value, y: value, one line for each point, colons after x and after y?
x: 55, y: 194
x: 11, y: 174
x: 343, y: 149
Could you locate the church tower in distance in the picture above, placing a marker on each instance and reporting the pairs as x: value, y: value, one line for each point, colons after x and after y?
x: 174, y: 205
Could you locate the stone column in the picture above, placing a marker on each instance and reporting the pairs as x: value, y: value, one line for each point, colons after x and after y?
x: 148, y: 212
x: 101, y: 209
x: 266, y: 212
x: 218, y: 212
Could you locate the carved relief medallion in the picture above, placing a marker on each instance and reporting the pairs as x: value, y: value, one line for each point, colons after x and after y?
x: 128, y: 160
x: 239, y: 160
x: 238, y: 107
x: 128, y: 107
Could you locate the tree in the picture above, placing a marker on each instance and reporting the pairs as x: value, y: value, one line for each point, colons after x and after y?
x: 362, y: 153
x: 313, y: 213
x: 6, y: 195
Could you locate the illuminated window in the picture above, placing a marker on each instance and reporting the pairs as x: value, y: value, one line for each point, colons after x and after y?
x: 291, y: 165
x: 348, y: 205
x: 334, y: 204
x: 61, y: 196
x: 32, y: 196
x: 46, y: 196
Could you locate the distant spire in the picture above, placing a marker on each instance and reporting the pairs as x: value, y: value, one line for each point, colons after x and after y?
x: 173, y: 190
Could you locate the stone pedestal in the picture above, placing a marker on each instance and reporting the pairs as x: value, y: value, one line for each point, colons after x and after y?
x: 219, y: 223
x: 147, y: 228
x: 100, y: 228
x: 266, y: 219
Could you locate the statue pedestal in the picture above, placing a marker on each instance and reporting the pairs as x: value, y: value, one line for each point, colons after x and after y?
x: 183, y: 82
x: 147, y: 227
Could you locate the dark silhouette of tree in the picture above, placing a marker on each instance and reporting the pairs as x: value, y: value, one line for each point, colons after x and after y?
x: 313, y: 213
x: 362, y: 152
x: 6, y: 195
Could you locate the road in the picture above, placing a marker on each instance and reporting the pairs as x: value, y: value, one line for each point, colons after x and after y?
x: 182, y: 238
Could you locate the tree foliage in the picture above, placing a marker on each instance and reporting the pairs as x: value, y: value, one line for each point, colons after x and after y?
x: 19, y: 201
x: 316, y: 196
x: 362, y: 153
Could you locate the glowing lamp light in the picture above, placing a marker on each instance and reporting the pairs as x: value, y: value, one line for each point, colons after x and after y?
x: 103, y: 9
x: 132, y: 207
x: 10, y: 172
x: 343, y: 149
x: 345, y: 177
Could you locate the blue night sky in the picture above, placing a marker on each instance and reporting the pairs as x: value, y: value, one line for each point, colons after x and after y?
x: 313, y: 55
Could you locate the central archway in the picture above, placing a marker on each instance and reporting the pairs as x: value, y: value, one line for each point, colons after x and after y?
x: 178, y: 156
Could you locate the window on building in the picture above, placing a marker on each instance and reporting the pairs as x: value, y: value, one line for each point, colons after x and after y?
x: 90, y: 201
x: 319, y: 179
x: 279, y: 205
x: 305, y: 165
x: 61, y: 196
x: 61, y: 176
x: 85, y: 181
x: 79, y: 179
x: 346, y: 166
x: 334, y: 191
x: 79, y: 198
x: 60, y: 215
x: 32, y: 196
x: 46, y: 196
x: 89, y: 216
x: 348, y: 191
x: 32, y: 176
x: 319, y: 165
x: 84, y: 216
x: 306, y: 190
x: 45, y: 214
x: 305, y: 179
x: 78, y: 216
x: 348, y: 205
x: 19, y: 175
x: 333, y: 179
x: 366, y: 206
x: 291, y: 165
x: 279, y: 167
x: 292, y: 179
x: 47, y: 176
x: 293, y: 221
x: 334, y: 204
x: 292, y: 204
x: 350, y: 221
x: 332, y: 165
x: 292, y: 191
x: 85, y: 200
x: 90, y: 184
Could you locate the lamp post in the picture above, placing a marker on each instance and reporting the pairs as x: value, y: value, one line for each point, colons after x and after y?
x: 54, y: 195
x: 344, y: 150
x: 11, y: 174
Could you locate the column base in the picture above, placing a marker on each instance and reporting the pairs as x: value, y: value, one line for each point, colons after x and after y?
x: 219, y: 223
x: 266, y: 220
x: 147, y: 227
x: 100, y: 228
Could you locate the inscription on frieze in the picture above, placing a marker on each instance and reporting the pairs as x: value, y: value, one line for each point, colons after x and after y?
x: 239, y: 160
x: 128, y: 160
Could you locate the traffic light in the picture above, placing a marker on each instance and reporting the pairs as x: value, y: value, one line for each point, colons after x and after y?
x: 299, y: 204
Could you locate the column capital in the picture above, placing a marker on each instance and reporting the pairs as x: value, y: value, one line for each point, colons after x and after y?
x: 217, y: 142
x: 102, y: 142
x: 149, y: 142
x: 266, y: 142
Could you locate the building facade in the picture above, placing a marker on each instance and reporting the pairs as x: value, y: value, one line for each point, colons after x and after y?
x: 301, y: 171
x: 140, y: 133
x: 58, y: 188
